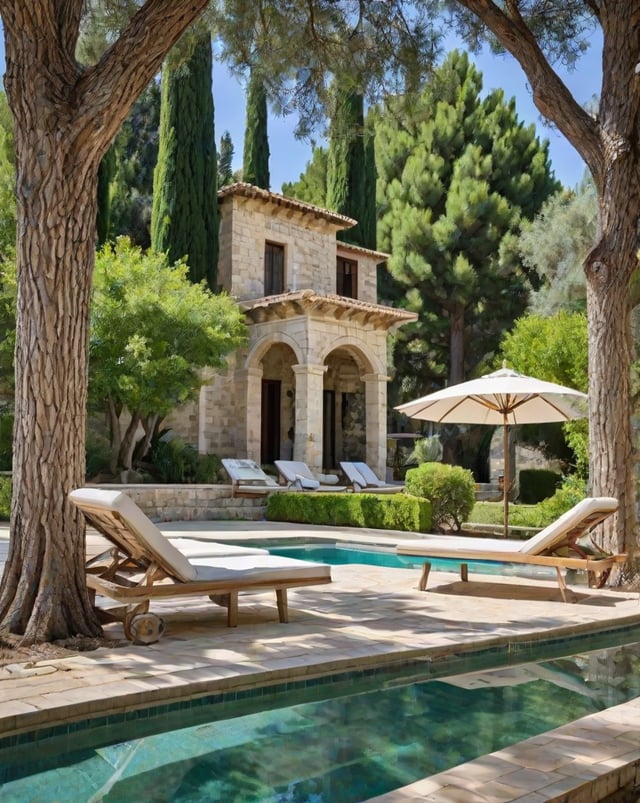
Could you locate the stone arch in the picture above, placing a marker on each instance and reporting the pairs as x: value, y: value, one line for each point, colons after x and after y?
x: 361, y: 353
x: 258, y: 349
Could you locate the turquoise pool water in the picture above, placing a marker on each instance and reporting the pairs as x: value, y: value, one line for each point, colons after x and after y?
x: 339, y: 554
x: 337, y: 740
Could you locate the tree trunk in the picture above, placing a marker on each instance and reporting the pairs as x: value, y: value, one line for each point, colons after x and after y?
x: 65, y: 119
x: 456, y: 345
x: 55, y: 258
x: 609, y: 268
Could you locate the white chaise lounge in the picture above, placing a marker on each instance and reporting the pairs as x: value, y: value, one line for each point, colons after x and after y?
x: 298, y: 476
x: 363, y: 478
x: 143, y: 565
x: 555, y: 545
x: 248, y: 479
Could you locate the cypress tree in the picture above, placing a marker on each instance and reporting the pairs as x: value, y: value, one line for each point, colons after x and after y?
x: 184, y: 221
x: 255, y: 164
x: 225, y: 160
x: 346, y: 163
x: 106, y: 173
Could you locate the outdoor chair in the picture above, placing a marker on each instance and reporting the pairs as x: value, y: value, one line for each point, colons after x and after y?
x: 248, y: 479
x: 363, y: 478
x: 298, y: 476
x: 555, y: 545
x: 143, y: 565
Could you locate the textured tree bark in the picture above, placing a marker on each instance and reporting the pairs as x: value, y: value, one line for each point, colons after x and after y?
x: 610, y: 146
x: 65, y: 119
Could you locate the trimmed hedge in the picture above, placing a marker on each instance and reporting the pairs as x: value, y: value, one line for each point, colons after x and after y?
x: 537, y: 484
x: 377, y: 511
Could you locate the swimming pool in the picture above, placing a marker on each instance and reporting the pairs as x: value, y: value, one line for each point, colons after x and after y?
x: 338, y: 554
x: 335, y: 740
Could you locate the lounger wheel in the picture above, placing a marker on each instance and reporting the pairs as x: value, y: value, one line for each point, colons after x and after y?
x: 144, y: 628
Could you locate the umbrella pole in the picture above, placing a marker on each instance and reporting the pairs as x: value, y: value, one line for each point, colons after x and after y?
x: 506, y: 484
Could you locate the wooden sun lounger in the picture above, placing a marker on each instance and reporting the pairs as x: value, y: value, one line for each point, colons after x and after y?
x: 555, y: 546
x: 143, y: 565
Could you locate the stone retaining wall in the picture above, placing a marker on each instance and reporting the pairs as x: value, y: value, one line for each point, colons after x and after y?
x: 192, y: 502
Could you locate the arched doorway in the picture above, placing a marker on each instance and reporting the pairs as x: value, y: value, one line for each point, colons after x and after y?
x: 277, y: 406
x: 343, y: 409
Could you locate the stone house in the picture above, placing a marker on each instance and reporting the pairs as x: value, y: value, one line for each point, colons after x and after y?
x: 311, y: 384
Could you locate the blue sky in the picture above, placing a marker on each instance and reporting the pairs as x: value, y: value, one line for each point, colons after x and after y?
x: 289, y: 156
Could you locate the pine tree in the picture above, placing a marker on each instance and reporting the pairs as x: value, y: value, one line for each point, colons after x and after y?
x: 311, y: 187
x: 184, y: 221
x: 457, y: 175
x: 255, y: 165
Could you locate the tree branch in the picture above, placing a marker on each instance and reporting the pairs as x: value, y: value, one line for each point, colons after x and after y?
x: 550, y: 95
x: 128, y: 66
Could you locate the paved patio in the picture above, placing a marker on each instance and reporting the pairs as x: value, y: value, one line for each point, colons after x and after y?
x: 368, y: 615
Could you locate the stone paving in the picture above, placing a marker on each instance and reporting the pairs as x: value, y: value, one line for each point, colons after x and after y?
x: 368, y: 615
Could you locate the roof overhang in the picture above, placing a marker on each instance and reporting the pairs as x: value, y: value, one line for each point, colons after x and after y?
x: 332, y: 307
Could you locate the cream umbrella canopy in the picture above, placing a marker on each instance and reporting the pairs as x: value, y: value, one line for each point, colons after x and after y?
x: 503, y: 398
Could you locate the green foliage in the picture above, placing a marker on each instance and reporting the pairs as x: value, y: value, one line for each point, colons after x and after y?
x: 572, y: 491
x: 8, y: 297
x: 537, y: 484
x: 311, y: 187
x: 377, y: 511
x: 492, y: 513
x: 152, y: 331
x: 426, y: 450
x: 106, y: 173
x: 136, y: 154
x: 456, y: 176
x: 346, y: 162
x: 175, y: 461
x: 5, y: 498
x: 553, y: 247
x: 255, y: 162
x: 6, y: 440
x: 225, y: 160
x: 555, y: 349
x: 450, y: 489
x: 184, y: 220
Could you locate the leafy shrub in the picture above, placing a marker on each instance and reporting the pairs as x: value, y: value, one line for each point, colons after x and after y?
x: 537, y: 484
x: 450, y: 489
x: 178, y: 462
x: 377, y: 511
x: 5, y: 498
x: 572, y: 491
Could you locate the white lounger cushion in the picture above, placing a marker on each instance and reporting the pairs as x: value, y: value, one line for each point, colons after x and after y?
x: 547, y: 537
x: 155, y: 542
x: 193, y: 548
x: 269, y: 568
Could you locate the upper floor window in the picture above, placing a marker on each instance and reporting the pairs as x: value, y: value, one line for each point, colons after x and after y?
x: 273, y: 269
x: 347, y: 278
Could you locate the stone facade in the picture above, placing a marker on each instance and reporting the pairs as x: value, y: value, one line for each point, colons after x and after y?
x: 311, y: 384
x: 193, y: 502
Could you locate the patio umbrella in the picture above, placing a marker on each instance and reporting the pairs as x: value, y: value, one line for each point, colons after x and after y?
x: 503, y: 398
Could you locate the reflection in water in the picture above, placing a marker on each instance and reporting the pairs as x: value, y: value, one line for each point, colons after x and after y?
x: 354, y: 744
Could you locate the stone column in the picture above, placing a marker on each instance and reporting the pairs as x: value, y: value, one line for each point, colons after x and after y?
x: 248, y: 382
x: 307, y: 445
x: 375, y: 394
